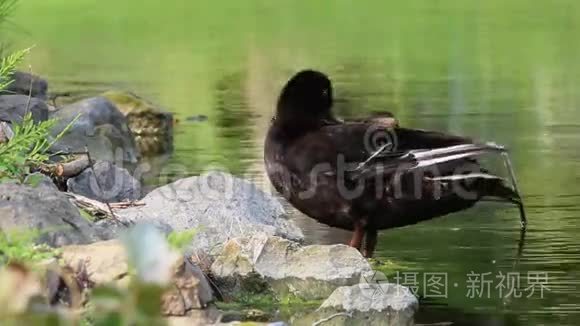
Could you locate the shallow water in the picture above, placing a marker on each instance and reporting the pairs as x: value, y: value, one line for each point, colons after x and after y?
x: 507, y: 71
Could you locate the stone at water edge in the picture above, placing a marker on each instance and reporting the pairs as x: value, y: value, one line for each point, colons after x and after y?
x: 43, y: 209
x: 286, y: 267
x: 22, y: 82
x: 369, y: 304
x: 14, y: 107
x: 218, y: 205
x: 152, y: 126
x: 116, y: 184
x: 100, y: 126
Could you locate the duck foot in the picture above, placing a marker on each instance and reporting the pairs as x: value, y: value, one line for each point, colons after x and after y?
x: 357, y: 236
x: 370, y: 243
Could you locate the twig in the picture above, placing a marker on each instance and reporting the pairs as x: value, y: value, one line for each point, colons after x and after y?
x: 324, y: 320
x: 68, y: 169
x: 29, y: 90
x: 96, y: 207
x: 5, y: 132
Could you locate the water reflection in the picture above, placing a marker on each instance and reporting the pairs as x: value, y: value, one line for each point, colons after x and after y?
x: 495, y: 70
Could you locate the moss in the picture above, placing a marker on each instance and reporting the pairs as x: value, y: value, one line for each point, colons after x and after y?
x: 86, y: 215
x: 129, y: 103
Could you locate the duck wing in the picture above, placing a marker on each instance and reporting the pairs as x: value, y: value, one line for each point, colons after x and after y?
x: 437, y: 157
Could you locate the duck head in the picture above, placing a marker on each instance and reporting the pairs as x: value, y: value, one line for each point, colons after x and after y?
x: 305, y: 100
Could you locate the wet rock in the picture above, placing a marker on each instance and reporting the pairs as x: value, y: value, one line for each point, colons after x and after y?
x: 114, y: 184
x: 244, y: 323
x: 218, y: 205
x: 196, y: 118
x: 307, y: 272
x: 50, y: 212
x: 369, y: 304
x: 209, y: 316
x: 14, y: 107
x: 246, y: 315
x: 152, y: 127
x: 100, y: 126
x: 24, y: 83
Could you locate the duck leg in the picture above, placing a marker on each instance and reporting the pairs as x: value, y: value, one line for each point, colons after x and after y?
x: 357, y: 235
x: 370, y: 242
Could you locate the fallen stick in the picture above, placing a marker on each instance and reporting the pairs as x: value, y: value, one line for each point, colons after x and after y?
x: 5, y: 132
x: 97, y: 208
x: 68, y: 169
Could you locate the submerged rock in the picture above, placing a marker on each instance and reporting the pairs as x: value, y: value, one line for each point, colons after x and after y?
x: 99, y: 126
x: 14, y: 107
x: 307, y: 272
x: 218, y: 205
x: 369, y: 304
x: 46, y: 211
x: 24, y: 83
x: 152, y: 127
x: 114, y: 184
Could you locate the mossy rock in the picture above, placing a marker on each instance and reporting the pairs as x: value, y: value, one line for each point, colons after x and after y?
x: 152, y: 127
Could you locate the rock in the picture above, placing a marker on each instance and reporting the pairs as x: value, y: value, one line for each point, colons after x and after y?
x: 19, y: 286
x: 191, y: 290
x: 107, y: 262
x: 116, y: 184
x: 369, y: 304
x: 21, y: 84
x: 99, y: 126
x: 308, y: 272
x: 152, y: 127
x: 40, y: 180
x: 209, y: 316
x: 218, y: 205
x: 45, y: 210
x: 14, y: 107
x: 245, y: 315
x: 244, y: 323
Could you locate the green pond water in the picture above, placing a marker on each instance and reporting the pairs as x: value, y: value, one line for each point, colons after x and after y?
x: 507, y: 71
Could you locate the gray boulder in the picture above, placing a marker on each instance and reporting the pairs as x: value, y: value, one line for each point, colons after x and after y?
x: 40, y: 180
x: 218, y: 205
x: 46, y: 210
x: 100, y: 126
x: 13, y: 108
x: 307, y: 272
x: 21, y: 84
x: 368, y: 304
x: 116, y: 184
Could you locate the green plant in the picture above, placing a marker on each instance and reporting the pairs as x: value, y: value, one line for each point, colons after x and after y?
x: 28, y: 148
x: 179, y: 240
x: 20, y: 246
x: 8, y: 64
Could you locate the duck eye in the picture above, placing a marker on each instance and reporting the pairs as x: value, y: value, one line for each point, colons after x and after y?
x: 325, y: 92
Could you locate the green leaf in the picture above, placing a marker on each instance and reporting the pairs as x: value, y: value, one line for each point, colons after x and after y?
x: 34, y: 180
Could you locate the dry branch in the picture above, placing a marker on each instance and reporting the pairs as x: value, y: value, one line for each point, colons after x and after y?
x: 97, y: 208
x: 68, y: 169
x: 5, y: 132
